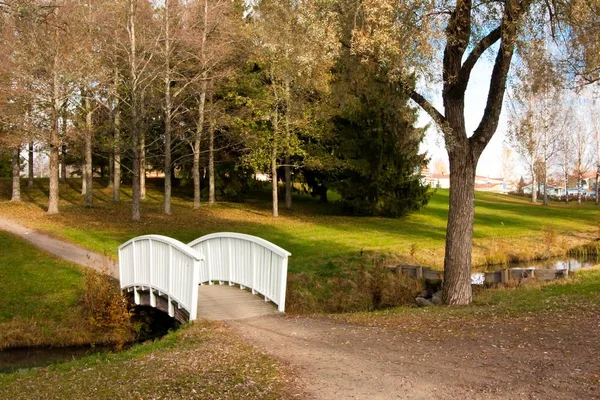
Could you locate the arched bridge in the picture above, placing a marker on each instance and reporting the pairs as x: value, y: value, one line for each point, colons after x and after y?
x: 167, y: 274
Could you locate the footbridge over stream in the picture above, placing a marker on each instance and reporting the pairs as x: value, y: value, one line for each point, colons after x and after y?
x: 179, y: 278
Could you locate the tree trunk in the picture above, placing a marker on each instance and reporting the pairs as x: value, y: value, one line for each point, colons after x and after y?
x: 16, y: 175
x: 168, y: 113
x: 63, y: 164
x: 274, y: 183
x: 566, y: 186
x: 211, y: 162
x: 30, y: 166
x: 117, y: 152
x: 88, y: 175
x: 135, y: 113
x: 54, y: 144
x: 142, y: 165
x: 596, y: 201
x: 197, y: 140
x: 534, y: 188
x: 545, y: 187
x: 63, y: 147
x: 459, y: 232
x: 287, y: 160
x: 111, y: 170
x: 579, y: 187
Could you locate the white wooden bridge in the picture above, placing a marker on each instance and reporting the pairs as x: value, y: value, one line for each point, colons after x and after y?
x: 179, y: 279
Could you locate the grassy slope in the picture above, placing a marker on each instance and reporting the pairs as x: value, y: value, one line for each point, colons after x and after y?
x: 39, y: 297
x: 504, y: 226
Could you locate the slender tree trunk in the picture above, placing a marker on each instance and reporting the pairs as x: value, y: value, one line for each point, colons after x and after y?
x: 142, y: 166
x: 54, y: 145
x: 597, y: 170
x: 566, y: 186
x: 63, y: 164
x: 117, y: 150
x: 545, y: 187
x: 579, y: 186
x: 211, y: 162
x: 274, y: 183
x: 168, y: 113
x: 30, y: 166
x: 88, y: 175
x: 287, y: 160
x: 197, y: 140
x: 135, y: 113
x: 16, y: 175
x: 111, y: 170
x: 201, y: 110
x: 534, y: 188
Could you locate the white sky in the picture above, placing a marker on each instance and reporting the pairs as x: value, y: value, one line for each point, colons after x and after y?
x: 490, y: 163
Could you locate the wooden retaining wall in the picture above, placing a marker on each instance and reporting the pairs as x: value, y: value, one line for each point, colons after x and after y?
x: 501, y: 276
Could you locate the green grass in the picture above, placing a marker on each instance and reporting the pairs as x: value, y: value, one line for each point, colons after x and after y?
x: 40, y: 298
x: 505, y: 227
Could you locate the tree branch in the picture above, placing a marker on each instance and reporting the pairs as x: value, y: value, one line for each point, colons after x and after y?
x: 475, y: 55
x: 439, y: 119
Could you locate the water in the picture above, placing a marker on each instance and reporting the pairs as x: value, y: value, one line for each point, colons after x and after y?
x: 153, y: 324
x: 567, y: 262
x: 18, y: 358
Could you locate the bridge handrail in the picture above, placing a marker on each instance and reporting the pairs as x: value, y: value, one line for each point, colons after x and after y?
x: 173, y: 270
x: 170, y: 241
x: 265, y: 243
x: 245, y: 260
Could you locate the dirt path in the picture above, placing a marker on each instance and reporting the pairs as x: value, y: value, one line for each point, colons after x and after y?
x: 544, y: 356
x: 62, y: 249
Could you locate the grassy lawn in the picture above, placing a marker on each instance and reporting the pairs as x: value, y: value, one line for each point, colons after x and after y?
x: 40, y: 298
x: 505, y: 227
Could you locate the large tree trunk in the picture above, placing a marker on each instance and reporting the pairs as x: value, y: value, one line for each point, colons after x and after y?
x: 16, y: 175
x: 459, y: 232
x: 88, y: 175
x: 30, y: 166
x: 54, y: 144
x: 211, y: 162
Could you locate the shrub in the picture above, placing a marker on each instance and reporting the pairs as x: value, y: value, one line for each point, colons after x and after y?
x: 105, y: 308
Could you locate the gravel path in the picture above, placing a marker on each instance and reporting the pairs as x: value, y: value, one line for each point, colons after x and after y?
x: 62, y: 249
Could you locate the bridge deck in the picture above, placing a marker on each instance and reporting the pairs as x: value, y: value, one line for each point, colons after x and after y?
x: 224, y: 302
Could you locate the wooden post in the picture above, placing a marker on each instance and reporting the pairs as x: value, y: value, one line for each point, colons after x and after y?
x: 419, y: 273
x: 504, y: 275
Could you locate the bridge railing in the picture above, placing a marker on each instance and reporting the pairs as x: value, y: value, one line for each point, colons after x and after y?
x: 163, y: 265
x: 247, y: 261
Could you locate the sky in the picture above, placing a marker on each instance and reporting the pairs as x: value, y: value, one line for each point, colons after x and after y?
x: 490, y: 163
